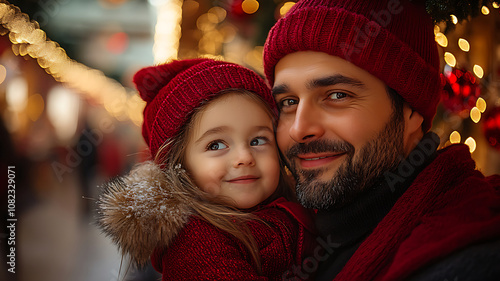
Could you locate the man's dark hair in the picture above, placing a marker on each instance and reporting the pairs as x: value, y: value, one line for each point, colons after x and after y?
x: 397, y: 102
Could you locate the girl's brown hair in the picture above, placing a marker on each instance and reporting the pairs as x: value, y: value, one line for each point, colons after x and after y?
x: 215, y: 210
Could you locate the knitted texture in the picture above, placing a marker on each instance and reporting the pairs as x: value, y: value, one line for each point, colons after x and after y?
x: 173, y: 90
x: 393, y: 40
x: 283, y: 242
x: 448, y: 207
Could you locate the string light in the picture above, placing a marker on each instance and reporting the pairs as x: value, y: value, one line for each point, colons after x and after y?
x: 471, y: 143
x: 250, y: 6
x: 219, y: 12
x: 481, y: 105
x: 3, y: 73
x: 485, y: 10
x: 436, y: 28
x: 29, y: 40
x: 449, y: 58
x: 478, y: 70
x: 464, y: 44
x: 167, y: 31
x: 455, y: 137
x: 495, y: 5
x: 454, y: 19
x: 475, y: 114
x: 286, y: 7
x: 441, y: 39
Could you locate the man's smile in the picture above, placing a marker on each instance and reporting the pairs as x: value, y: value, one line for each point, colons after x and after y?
x: 314, y: 160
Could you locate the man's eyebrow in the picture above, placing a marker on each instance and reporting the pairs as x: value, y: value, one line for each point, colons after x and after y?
x: 280, y: 89
x: 212, y: 131
x: 334, y: 80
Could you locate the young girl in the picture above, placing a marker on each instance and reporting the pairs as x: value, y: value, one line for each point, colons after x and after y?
x: 212, y: 204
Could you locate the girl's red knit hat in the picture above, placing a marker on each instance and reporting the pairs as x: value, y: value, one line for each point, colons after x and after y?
x: 391, y: 39
x: 173, y: 90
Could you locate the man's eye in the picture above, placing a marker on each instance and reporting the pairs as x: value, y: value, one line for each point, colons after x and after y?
x: 338, y: 96
x: 258, y: 141
x: 216, y: 145
x: 288, y: 102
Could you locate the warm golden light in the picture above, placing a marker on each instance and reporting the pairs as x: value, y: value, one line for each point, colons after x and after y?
x: 436, y: 29
x: 167, y: 31
x: 16, y: 94
x: 35, y: 107
x: 464, y: 44
x: 481, y: 105
x: 454, y: 19
x: 3, y: 73
x: 286, y: 7
x: 455, y: 137
x: 29, y: 40
x: 475, y: 114
x: 441, y: 39
x: 485, y: 10
x: 478, y: 70
x: 471, y: 143
x: 250, y: 6
x: 495, y: 5
x: 449, y: 58
x: 219, y: 12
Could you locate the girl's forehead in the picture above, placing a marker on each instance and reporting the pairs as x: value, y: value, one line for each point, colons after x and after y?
x: 236, y: 111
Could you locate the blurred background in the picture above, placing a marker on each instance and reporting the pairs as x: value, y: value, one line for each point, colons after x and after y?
x: 70, y: 117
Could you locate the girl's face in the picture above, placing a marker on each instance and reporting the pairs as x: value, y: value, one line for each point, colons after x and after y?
x: 231, y: 151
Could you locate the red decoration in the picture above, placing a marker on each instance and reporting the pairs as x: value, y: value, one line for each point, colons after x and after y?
x: 236, y: 10
x: 460, y: 91
x: 491, y: 127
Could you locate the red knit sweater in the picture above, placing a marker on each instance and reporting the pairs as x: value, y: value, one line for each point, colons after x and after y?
x: 203, y: 252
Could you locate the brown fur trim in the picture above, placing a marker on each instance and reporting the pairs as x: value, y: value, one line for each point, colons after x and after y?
x: 140, y: 212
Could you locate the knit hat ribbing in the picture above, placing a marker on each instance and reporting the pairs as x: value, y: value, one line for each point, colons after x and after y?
x: 173, y: 90
x: 391, y: 39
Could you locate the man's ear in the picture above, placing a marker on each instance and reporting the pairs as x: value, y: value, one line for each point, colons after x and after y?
x: 413, y: 127
x: 413, y: 119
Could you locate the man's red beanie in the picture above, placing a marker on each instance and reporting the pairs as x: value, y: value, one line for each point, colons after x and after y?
x: 391, y: 39
x: 172, y: 91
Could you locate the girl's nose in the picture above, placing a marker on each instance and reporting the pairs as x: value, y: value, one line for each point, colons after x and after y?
x: 244, y: 157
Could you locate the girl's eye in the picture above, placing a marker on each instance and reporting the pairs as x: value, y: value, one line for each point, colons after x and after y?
x: 258, y: 141
x: 216, y: 145
x: 338, y: 96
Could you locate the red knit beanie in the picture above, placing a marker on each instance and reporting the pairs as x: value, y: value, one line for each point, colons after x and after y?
x: 391, y: 39
x: 173, y: 90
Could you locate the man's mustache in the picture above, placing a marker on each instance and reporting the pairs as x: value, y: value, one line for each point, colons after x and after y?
x: 320, y: 146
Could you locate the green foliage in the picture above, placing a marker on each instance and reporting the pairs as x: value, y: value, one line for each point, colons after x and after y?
x: 440, y: 10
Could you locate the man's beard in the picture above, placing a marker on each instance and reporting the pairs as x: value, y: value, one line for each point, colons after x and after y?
x: 355, y: 174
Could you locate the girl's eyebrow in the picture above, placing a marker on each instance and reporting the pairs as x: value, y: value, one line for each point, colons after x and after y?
x: 221, y: 129
x: 213, y: 131
x: 264, y: 128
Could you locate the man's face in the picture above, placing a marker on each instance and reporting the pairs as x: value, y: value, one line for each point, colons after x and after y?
x: 336, y: 129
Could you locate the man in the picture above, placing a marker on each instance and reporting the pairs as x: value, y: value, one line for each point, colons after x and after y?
x: 357, y: 84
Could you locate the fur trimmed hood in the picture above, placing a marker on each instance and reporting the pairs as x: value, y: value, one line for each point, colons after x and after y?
x: 141, y: 212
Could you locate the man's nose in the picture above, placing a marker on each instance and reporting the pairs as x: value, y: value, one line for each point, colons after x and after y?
x: 307, y: 125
